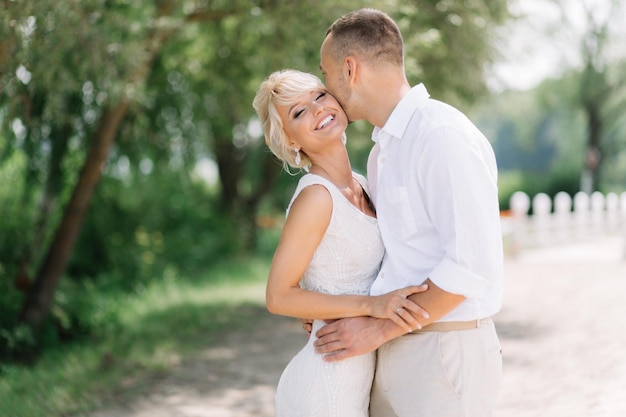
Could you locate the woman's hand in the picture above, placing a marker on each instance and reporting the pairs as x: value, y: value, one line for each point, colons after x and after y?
x: 307, y: 325
x: 396, y: 307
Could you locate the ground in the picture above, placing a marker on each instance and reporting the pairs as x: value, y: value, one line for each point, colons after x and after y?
x: 561, y: 328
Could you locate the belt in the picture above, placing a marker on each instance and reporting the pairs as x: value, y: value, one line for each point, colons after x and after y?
x: 448, y: 326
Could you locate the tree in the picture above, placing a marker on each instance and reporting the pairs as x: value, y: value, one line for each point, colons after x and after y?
x: 83, y: 80
x: 601, y: 84
x: 33, y: 29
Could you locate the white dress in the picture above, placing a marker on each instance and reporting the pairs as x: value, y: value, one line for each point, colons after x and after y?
x: 346, y: 262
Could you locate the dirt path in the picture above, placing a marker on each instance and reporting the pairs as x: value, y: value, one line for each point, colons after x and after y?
x: 234, y: 378
x: 562, y: 330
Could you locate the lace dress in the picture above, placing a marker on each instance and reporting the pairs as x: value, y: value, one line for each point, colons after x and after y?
x: 346, y: 262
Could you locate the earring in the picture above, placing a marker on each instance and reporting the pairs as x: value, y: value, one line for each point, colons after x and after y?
x: 298, y: 159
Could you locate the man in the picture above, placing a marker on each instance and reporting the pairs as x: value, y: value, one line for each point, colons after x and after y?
x: 433, y: 179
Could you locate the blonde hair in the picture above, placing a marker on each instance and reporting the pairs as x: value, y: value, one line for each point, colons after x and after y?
x: 279, y: 89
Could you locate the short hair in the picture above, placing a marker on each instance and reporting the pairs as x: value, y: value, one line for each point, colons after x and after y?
x: 279, y: 89
x: 369, y: 34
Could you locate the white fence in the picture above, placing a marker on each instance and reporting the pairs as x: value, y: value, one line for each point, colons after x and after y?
x: 563, y: 220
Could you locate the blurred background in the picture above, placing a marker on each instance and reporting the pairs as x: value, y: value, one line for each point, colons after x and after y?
x: 139, y: 204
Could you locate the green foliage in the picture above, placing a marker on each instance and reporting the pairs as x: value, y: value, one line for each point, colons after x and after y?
x: 136, y: 337
x: 62, y: 64
x: 539, y: 137
x: 449, y: 44
x: 126, y: 243
x: 137, y: 228
x: 162, y: 221
x: 538, y: 140
x: 533, y: 183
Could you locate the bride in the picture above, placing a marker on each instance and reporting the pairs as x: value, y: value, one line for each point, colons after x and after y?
x: 330, y: 248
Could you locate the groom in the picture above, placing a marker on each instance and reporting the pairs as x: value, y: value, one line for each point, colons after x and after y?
x: 433, y: 179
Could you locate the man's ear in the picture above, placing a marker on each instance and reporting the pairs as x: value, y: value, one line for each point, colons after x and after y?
x: 352, y: 68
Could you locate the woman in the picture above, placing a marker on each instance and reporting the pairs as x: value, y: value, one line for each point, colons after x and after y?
x: 330, y: 248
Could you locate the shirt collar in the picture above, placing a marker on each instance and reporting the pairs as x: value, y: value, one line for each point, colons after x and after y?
x: 401, y: 115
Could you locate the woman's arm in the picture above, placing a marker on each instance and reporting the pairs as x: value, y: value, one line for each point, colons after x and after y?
x: 302, y: 233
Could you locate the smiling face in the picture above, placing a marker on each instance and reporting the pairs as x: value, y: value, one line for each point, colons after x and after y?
x: 312, y: 120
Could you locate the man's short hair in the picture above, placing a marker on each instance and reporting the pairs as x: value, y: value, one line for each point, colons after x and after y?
x: 369, y: 34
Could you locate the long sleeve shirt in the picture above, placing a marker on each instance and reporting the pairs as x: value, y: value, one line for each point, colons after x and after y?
x: 433, y: 179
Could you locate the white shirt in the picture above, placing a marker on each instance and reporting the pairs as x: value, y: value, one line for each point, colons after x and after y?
x: 433, y: 179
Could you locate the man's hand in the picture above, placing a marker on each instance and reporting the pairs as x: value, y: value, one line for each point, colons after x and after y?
x: 353, y: 336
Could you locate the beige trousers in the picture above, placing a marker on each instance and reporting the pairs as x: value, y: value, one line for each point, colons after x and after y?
x: 438, y: 374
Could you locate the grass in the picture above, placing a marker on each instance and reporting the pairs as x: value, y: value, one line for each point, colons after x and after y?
x: 155, y: 330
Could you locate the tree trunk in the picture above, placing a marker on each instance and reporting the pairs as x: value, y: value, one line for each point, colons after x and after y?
x: 39, y: 297
x: 51, y: 190
x: 242, y: 208
x: 593, y: 157
x: 229, y: 168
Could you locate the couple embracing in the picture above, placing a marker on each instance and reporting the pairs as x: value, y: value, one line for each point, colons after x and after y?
x: 400, y: 271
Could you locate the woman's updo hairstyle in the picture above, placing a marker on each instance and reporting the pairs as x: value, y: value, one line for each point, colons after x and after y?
x: 282, y: 88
